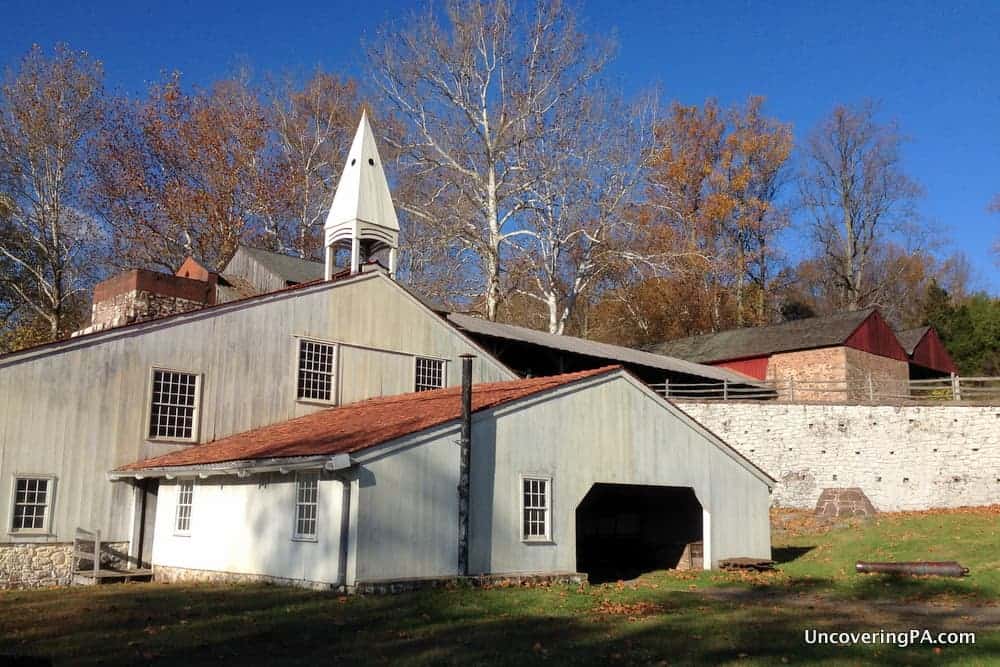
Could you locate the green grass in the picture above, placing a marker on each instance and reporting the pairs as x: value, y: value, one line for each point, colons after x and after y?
x: 663, y: 617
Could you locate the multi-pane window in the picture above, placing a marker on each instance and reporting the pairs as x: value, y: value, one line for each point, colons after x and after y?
x: 306, y: 500
x: 535, y: 504
x: 185, y: 496
x: 430, y: 374
x: 316, y: 370
x: 32, y: 498
x: 174, y: 408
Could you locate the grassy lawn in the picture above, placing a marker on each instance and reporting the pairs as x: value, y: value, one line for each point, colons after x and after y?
x: 663, y: 617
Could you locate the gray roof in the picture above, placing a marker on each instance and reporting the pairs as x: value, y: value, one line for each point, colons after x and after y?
x: 910, y: 338
x: 592, y: 348
x: 291, y: 269
x: 806, y: 334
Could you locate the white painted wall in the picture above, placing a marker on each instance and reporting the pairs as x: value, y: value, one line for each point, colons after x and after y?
x: 246, y: 526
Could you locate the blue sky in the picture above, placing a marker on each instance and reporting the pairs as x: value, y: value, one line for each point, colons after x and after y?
x: 932, y: 65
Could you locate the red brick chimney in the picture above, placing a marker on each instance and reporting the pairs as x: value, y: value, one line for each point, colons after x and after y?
x: 140, y: 294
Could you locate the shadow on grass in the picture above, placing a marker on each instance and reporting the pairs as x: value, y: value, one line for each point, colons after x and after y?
x: 788, y: 554
x: 916, y: 588
x: 260, y: 625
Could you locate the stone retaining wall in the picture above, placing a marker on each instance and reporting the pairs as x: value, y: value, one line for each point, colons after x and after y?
x: 903, y: 458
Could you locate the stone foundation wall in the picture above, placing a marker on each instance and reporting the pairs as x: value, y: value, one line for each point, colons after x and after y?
x: 41, y: 564
x: 35, y: 565
x: 180, y: 575
x: 890, y: 378
x: 817, y: 374
x: 183, y: 575
x: 902, y: 458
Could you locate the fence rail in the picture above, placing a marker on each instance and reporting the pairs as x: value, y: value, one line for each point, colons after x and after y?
x: 869, y: 388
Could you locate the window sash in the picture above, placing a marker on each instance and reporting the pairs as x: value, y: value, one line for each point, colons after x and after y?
x: 306, y: 506
x: 173, y: 411
x: 535, y: 508
x: 185, y: 503
x: 317, y: 367
x: 429, y: 374
x: 31, y: 506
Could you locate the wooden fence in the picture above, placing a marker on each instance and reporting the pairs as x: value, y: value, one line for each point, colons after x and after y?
x: 867, y: 389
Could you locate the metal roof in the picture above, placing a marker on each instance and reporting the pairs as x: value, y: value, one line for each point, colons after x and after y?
x: 805, y: 334
x: 590, y: 348
x: 291, y: 269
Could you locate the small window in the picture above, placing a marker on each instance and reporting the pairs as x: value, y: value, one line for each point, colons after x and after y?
x: 306, y: 502
x: 316, y: 370
x: 173, y: 413
x: 430, y: 374
x: 535, y: 492
x: 185, y: 496
x: 32, y: 504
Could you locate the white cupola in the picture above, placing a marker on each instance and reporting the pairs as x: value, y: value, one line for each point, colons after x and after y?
x: 362, y: 216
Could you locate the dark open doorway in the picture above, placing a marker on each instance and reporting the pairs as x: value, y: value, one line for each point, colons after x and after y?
x: 624, y: 530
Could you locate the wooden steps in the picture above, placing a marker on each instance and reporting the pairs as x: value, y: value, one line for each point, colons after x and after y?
x: 88, y: 568
x: 90, y: 577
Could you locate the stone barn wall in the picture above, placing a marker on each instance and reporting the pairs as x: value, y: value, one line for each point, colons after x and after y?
x: 903, y: 458
x: 838, y: 374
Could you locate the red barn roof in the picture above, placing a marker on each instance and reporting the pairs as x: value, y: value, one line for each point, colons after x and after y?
x: 354, y: 427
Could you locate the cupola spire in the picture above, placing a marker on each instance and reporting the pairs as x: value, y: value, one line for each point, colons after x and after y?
x: 362, y: 215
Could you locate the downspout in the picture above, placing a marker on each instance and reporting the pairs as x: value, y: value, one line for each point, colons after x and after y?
x: 465, y: 447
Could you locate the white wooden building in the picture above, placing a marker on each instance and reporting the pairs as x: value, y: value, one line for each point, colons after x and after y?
x: 234, y: 440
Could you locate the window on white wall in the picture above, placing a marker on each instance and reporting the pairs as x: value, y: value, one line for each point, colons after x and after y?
x: 430, y: 374
x: 173, y: 412
x: 317, y: 363
x: 306, y: 503
x: 185, y: 498
x: 535, y: 508
x: 32, y: 504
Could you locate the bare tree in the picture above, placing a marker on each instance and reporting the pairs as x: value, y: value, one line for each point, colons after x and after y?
x: 475, y: 91
x: 579, y: 221
x: 49, y: 108
x: 855, y: 191
x: 313, y: 125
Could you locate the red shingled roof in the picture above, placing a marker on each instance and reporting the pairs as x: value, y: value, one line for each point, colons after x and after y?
x: 357, y: 426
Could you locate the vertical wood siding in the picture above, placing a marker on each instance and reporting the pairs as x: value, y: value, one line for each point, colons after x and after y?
x: 80, y: 410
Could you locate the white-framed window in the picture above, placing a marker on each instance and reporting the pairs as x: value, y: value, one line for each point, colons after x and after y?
x: 429, y: 374
x: 317, y: 365
x: 31, y: 509
x: 185, y: 501
x: 536, y: 506
x: 306, y: 505
x: 173, y: 405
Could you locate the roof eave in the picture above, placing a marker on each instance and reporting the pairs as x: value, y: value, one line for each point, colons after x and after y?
x: 240, y: 468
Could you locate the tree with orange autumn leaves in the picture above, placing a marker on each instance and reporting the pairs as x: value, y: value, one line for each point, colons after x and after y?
x: 712, y: 202
x: 196, y: 173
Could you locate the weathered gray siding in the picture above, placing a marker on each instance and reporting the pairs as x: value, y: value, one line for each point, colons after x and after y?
x: 611, y: 432
x: 608, y: 430
x: 407, y: 516
x: 246, y: 267
x: 79, y: 409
